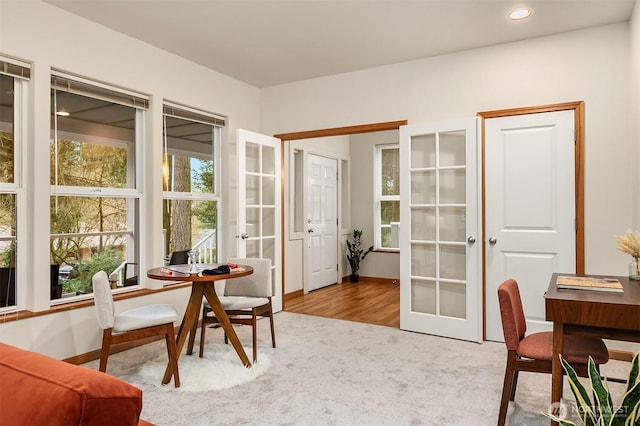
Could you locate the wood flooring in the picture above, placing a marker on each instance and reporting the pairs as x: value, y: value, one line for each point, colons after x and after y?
x: 370, y: 301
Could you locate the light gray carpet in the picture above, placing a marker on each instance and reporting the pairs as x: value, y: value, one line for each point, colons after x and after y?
x: 333, y: 372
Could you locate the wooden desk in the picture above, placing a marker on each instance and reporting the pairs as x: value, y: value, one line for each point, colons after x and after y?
x: 593, y: 313
x: 201, y: 285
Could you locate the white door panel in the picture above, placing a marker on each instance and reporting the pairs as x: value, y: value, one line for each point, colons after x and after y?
x: 322, y: 226
x: 439, y: 270
x: 259, y: 207
x: 529, y: 208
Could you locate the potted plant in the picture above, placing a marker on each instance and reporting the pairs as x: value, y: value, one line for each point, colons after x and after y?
x: 602, y: 412
x: 356, y: 254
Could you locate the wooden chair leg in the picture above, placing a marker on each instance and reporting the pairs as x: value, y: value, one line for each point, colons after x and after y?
x: 514, y: 385
x: 104, y: 353
x: 273, y: 333
x: 202, y: 331
x: 254, y: 326
x: 507, y: 387
x: 173, y: 353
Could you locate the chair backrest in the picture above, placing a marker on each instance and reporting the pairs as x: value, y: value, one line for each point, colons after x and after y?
x: 257, y: 284
x: 103, y: 299
x: 514, y: 324
x: 180, y: 257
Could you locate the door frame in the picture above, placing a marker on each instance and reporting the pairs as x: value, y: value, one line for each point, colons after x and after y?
x: 307, y: 134
x: 578, y: 109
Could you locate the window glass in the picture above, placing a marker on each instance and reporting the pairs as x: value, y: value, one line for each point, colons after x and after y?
x: 95, y: 203
x: 190, y: 206
x: 387, y: 196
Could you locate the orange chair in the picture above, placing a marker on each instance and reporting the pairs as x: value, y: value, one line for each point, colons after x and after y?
x: 534, y: 352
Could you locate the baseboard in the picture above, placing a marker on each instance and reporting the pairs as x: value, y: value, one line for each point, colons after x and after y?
x: 346, y: 279
x: 293, y: 295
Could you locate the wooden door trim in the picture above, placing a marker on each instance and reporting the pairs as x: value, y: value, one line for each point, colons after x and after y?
x: 578, y: 108
x: 307, y: 134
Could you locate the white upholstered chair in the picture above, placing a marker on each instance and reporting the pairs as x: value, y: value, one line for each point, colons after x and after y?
x: 134, y: 324
x: 245, y: 299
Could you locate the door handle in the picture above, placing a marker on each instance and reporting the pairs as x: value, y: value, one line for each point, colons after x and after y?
x: 310, y: 230
x: 471, y: 240
x: 492, y: 240
x: 243, y: 236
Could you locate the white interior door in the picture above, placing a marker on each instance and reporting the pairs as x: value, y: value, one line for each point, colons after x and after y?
x: 322, y: 225
x: 259, y: 204
x: 530, y: 226
x: 439, y: 268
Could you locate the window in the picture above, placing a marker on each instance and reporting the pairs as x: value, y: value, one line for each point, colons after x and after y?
x: 13, y: 81
x: 387, y: 197
x: 190, y: 181
x: 96, y: 132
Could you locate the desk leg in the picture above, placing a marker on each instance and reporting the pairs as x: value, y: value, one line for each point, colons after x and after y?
x: 214, y: 302
x: 556, y: 367
x: 190, y: 315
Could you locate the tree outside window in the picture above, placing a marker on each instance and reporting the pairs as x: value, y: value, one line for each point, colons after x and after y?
x: 387, y: 196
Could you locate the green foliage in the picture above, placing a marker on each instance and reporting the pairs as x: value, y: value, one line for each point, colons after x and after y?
x: 602, y: 412
x: 355, y: 252
x: 107, y: 261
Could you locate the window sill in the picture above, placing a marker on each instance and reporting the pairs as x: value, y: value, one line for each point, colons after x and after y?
x: 62, y: 307
x: 386, y: 251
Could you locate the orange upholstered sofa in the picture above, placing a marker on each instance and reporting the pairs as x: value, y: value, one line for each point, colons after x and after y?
x: 39, y: 390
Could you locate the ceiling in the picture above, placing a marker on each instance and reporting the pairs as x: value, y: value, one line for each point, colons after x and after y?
x: 268, y: 42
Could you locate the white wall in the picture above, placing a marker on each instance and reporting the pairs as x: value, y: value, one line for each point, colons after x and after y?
x: 49, y: 37
x: 591, y: 65
x: 635, y: 113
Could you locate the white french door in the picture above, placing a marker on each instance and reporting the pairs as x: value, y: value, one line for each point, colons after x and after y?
x: 322, y: 225
x: 530, y: 220
x: 259, y: 205
x: 439, y: 263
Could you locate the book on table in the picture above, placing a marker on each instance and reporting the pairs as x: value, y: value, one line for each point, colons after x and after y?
x: 589, y: 283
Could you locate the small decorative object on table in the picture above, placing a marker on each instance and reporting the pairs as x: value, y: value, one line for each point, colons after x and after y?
x: 629, y: 243
x: 193, y: 257
x: 355, y: 254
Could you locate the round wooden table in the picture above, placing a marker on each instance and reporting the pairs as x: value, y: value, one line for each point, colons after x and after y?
x: 201, y: 286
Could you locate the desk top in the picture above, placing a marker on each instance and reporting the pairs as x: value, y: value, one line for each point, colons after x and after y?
x: 180, y: 273
x: 595, y: 308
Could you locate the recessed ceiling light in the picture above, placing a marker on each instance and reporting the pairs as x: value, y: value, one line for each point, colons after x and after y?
x: 518, y: 14
x: 62, y: 113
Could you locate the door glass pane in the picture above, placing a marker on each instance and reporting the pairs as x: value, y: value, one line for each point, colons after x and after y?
x: 253, y: 190
x: 423, y: 224
x: 252, y: 227
x: 423, y: 151
x: 269, y: 249
x: 252, y: 159
x: 452, y: 149
x: 452, y: 224
x: 268, y: 190
x: 452, y: 186
x: 423, y: 187
x: 423, y: 296
x: 453, y: 300
x: 253, y: 248
x: 268, y: 160
x: 423, y: 260
x: 268, y: 222
x: 453, y: 261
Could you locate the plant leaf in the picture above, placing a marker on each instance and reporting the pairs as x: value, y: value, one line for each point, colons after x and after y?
x: 583, y: 402
x: 602, y: 396
x: 562, y: 422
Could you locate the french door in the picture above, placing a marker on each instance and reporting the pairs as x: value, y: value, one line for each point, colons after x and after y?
x: 440, y: 285
x: 259, y: 205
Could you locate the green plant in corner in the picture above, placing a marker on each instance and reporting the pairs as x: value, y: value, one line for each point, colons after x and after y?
x: 602, y: 412
x: 356, y: 254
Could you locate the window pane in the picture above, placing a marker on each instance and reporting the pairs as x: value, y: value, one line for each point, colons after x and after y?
x: 93, y: 144
x: 7, y: 250
x: 188, y: 156
x: 389, y: 212
x: 390, y: 171
x: 6, y: 129
x: 90, y: 234
x: 191, y: 224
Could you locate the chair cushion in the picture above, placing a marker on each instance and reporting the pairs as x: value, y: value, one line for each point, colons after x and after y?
x: 576, y: 348
x: 238, y: 303
x: 144, y: 316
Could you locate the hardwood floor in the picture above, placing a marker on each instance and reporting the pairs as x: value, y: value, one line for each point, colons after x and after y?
x: 370, y: 301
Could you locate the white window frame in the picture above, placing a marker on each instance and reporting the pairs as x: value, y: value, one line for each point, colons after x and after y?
x: 379, y: 198
x: 169, y: 195
x: 133, y: 193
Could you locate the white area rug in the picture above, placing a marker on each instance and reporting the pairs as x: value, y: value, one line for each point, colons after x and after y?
x: 333, y: 372
x: 220, y: 368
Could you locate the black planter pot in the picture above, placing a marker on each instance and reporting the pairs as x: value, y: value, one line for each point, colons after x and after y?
x: 354, y: 278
